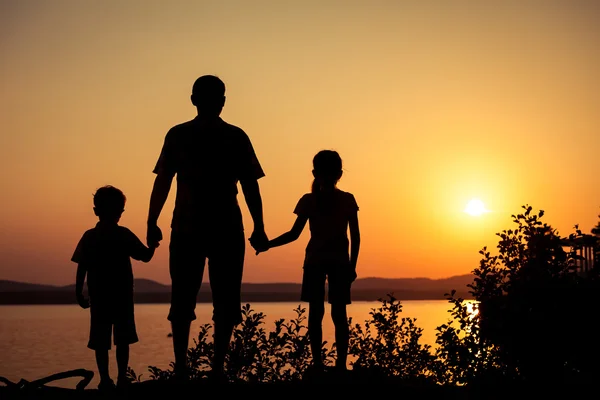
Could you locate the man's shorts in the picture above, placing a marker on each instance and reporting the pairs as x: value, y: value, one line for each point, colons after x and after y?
x: 189, y: 251
x: 116, y: 321
x: 338, y: 282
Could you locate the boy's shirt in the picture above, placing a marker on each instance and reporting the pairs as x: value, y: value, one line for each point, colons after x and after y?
x: 106, y: 251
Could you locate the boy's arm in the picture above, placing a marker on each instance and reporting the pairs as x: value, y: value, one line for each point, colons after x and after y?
x: 146, y: 254
x: 354, y: 241
x: 139, y: 251
x: 291, y: 235
x: 79, y: 281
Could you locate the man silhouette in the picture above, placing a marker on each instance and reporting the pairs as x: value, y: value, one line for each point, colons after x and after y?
x: 209, y: 157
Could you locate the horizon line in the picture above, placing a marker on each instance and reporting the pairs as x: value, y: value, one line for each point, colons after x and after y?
x: 252, y: 283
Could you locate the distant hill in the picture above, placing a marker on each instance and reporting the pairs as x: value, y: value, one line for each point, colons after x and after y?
x: 148, y: 291
x: 141, y: 285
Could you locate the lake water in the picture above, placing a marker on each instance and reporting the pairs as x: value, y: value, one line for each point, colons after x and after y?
x: 40, y: 340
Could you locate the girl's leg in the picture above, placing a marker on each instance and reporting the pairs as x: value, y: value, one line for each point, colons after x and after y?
x: 316, y: 310
x: 102, y: 362
x: 122, y: 361
x: 340, y: 323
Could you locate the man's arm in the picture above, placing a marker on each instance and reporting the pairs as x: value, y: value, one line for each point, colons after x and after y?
x: 160, y: 193
x: 253, y: 198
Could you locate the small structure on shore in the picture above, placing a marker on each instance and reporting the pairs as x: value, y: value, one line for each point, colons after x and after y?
x: 586, y: 249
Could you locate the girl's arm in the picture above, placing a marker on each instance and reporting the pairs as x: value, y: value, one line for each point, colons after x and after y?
x: 289, y: 236
x: 354, y: 241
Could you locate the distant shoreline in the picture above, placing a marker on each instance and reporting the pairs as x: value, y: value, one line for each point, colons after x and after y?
x: 150, y: 292
x: 63, y: 297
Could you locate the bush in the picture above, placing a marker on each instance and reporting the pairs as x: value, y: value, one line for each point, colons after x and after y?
x: 535, y: 308
x: 389, y: 345
x: 533, y: 320
x: 255, y: 356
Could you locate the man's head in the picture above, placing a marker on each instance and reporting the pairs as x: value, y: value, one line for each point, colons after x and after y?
x: 208, y: 95
x: 109, y: 203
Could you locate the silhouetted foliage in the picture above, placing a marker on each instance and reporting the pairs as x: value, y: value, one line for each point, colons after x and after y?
x: 535, y: 309
x: 532, y: 319
x: 463, y: 356
x: 282, y: 354
x: 389, y: 344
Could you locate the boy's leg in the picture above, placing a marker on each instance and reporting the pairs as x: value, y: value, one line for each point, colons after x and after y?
x: 316, y: 311
x: 342, y: 332
x: 122, y: 362
x: 102, y: 363
x: 99, y: 341
x: 125, y: 334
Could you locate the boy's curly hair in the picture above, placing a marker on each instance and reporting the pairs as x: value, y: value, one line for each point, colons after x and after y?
x: 109, y: 201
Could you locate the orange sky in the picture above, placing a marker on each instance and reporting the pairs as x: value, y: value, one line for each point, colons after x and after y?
x: 430, y: 103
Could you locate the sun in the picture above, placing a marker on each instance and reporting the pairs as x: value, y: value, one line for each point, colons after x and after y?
x: 475, y: 207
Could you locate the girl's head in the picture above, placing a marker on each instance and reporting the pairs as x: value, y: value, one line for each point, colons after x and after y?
x: 327, y: 170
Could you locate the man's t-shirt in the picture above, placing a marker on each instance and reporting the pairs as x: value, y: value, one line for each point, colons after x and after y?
x: 328, y: 221
x: 106, y: 251
x: 209, y: 160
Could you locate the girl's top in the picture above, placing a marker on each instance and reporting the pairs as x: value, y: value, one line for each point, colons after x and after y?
x: 328, y: 215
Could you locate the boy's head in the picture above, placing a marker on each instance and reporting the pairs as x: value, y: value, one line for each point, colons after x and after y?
x: 208, y: 95
x: 109, y: 203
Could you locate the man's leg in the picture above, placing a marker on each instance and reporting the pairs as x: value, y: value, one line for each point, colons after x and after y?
x: 186, y: 278
x: 181, y: 337
x: 222, y: 337
x: 225, y: 270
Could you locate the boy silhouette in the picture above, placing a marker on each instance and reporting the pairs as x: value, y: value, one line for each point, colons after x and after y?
x: 104, y: 254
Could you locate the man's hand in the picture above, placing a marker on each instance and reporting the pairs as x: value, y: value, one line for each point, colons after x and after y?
x: 153, y: 235
x: 262, y: 249
x: 82, y: 301
x: 353, y: 275
x: 259, y: 240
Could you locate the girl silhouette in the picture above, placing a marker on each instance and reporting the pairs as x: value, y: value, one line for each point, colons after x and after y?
x: 329, y: 212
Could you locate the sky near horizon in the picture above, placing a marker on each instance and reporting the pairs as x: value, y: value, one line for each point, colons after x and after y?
x: 429, y: 103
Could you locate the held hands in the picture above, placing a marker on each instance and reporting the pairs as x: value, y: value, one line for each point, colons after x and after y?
x: 82, y: 301
x: 262, y: 249
x: 259, y: 240
x: 153, y: 235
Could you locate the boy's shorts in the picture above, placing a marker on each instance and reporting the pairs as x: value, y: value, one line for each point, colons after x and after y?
x: 118, y: 322
x: 187, y: 259
x: 339, y: 285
